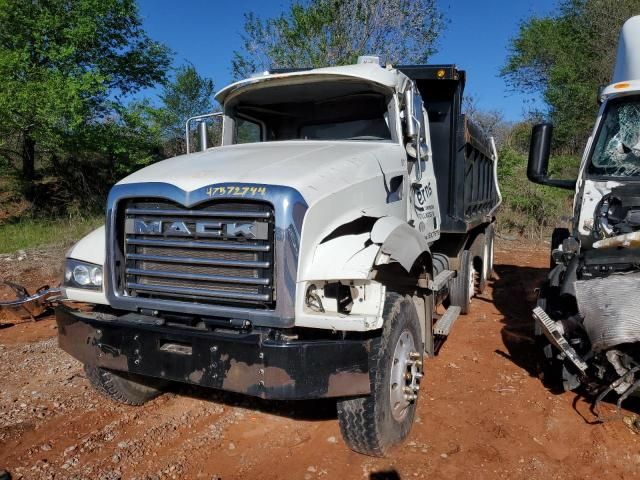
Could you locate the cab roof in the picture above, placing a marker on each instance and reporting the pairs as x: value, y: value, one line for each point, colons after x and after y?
x: 369, y: 72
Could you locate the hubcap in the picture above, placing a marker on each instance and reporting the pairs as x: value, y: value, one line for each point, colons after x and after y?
x: 406, y: 372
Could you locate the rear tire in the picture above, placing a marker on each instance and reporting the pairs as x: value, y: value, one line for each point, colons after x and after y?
x: 122, y: 387
x: 462, y: 287
x: 372, y: 425
x: 479, y: 262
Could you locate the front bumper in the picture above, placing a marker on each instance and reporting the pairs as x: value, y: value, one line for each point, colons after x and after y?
x: 249, y: 363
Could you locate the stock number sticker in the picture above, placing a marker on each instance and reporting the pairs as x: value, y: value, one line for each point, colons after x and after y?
x: 236, y: 191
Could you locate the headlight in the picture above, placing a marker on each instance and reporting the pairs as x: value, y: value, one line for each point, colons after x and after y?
x: 82, y: 274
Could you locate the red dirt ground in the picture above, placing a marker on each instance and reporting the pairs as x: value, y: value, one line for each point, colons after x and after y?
x: 482, y: 413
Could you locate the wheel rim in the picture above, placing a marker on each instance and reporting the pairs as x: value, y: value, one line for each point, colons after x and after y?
x: 406, y: 373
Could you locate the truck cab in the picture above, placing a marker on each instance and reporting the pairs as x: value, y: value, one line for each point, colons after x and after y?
x: 304, y: 257
x: 586, y: 317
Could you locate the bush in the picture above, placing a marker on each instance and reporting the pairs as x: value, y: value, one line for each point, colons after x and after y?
x: 528, y: 209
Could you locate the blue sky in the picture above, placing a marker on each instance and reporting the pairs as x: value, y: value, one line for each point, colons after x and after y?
x: 206, y: 32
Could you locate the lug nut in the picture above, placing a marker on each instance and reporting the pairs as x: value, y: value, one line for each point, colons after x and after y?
x: 407, y: 390
x: 418, y: 363
x: 414, y: 355
x: 419, y: 375
x: 410, y: 397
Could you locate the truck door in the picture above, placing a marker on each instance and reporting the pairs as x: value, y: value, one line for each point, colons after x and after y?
x: 423, y: 209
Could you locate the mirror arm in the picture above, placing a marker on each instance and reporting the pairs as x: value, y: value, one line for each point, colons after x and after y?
x: 550, y: 182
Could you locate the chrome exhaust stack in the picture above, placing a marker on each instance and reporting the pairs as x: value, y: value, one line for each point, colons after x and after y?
x: 202, y: 130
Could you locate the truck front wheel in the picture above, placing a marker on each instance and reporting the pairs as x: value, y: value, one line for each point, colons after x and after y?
x: 373, y: 424
x: 122, y: 387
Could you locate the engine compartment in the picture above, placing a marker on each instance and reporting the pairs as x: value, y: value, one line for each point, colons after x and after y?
x: 590, y: 300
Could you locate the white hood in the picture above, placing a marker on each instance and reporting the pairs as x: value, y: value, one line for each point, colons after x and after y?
x: 314, y: 168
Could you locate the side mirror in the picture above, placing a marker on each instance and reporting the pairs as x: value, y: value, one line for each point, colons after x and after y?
x: 539, y: 152
x: 413, y: 129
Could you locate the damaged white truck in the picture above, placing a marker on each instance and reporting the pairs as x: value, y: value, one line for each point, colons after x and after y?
x: 322, y: 250
x: 588, y: 318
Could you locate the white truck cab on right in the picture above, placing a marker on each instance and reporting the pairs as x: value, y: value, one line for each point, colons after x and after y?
x: 587, y: 317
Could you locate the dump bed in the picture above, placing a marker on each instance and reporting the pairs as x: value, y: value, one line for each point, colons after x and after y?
x: 463, y: 156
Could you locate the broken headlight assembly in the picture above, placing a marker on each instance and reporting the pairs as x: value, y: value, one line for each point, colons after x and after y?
x: 79, y: 274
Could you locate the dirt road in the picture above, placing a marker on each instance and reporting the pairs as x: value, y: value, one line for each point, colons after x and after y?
x: 482, y: 414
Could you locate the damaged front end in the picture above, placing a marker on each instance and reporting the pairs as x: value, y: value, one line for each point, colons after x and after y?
x: 587, y: 317
x: 30, y: 306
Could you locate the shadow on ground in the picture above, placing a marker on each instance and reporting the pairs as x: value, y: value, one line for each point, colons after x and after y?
x: 514, y: 296
x: 307, y: 410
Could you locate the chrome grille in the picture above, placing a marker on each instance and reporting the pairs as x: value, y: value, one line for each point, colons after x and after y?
x: 219, y: 253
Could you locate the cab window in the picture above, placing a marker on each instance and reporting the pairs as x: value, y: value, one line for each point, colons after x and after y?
x: 247, y: 131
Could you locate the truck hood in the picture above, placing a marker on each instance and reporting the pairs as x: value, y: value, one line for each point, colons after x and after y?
x: 314, y: 168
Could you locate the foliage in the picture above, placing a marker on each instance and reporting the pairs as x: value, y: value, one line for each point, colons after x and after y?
x: 30, y: 233
x: 189, y: 94
x: 317, y: 33
x: 528, y: 209
x: 490, y: 122
x: 566, y: 57
x: 65, y: 65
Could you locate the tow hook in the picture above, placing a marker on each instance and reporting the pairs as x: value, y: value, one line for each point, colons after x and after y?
x: 26, y: 305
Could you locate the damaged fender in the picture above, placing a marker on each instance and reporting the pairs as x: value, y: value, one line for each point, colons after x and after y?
x: 349, y: 259
x: 399, y: 240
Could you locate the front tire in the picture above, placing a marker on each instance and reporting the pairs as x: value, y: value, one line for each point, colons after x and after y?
x: 122, y: 387
x: 372, y: 425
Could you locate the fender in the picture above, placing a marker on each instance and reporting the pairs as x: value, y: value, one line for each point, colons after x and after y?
x: 399, y: 240
x: 91, y: 248
x: 352, y: 257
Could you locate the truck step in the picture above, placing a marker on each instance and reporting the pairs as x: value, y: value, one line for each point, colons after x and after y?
x: 441, y: 280
x: 445, y: 324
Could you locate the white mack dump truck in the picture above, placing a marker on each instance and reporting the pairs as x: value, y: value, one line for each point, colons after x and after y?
x: 305, y: 257
x: 588, y: 316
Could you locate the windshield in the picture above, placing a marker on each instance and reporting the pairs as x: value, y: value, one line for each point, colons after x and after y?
x: 617, y: 148
x: 327, y: 110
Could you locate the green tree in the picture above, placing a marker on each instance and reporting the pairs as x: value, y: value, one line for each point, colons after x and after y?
x: 565, y: 57
x: 187, y: 95
x: 85, y: 165
x: 318, y: 33
x: 64, y: 64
